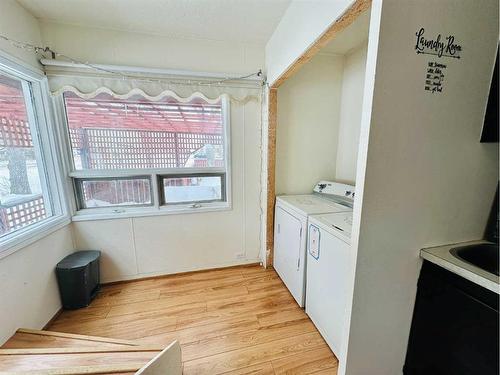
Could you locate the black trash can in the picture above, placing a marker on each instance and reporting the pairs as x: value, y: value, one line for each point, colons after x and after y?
x: 78, y: 278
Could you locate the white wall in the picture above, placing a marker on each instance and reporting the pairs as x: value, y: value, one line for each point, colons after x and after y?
x: 351, y: 103
x: 423, y: 177
x: 167, y: 244
x: 176, y: 243
x: 303, y: 23
x: 308, y: 124
x: 152, y: 51
x: 29, y: 296
x: 18, y: 24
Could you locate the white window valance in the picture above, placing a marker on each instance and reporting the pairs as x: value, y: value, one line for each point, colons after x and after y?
x: 87, y: 84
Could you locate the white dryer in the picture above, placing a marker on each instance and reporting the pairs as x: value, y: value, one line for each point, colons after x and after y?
x: 328, y: 261
x: 290, y: 230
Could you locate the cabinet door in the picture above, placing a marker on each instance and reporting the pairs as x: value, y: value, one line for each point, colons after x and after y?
x: 453, y: 330
x: 287, y: 252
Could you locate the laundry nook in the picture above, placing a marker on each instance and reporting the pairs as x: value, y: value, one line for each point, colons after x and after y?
x: 249, y: 187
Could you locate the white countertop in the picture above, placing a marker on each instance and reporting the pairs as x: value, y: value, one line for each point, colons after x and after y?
x: 441, y: 256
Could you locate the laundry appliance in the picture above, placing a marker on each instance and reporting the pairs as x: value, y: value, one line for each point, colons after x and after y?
x: 329, y: 258
x: 290, y: 230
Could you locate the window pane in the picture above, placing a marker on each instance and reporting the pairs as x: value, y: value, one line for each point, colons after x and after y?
x: 109, y: 133
x: 193, y: 189
x: 114, y: 192
x: 21, y: 199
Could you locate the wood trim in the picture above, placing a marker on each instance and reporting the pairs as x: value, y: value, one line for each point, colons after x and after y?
x: 81, y: 370
x: 347, y: 18
x: 77, y: 337
x: 80, y: 350
x: 180, y: 274
x: 271, y: 173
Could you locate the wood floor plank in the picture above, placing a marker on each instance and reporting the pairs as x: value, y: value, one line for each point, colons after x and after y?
x: 204, y: 332
x: 246, y: 339
x: 234, y: 360
x: 208, y: 293
x: 201, y: 286
x: 265, y: 368
x: 125, y: 297
x: 131, y: 328
x: 228, y: 321
x: 280, y: 316
x: 178, y: 307
x: 267, y: 283
x: 308, y: 362
x: 252, y: 302
x: 257, y: 271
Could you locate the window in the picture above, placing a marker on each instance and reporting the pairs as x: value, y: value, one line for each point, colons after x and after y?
x: 30, y: 202
x: 193, y: 189
x: 136, y: 155
x: 99, y: 192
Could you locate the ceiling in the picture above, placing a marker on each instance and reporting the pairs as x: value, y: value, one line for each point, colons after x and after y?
x: 245, y: 21
x: 351, y: 37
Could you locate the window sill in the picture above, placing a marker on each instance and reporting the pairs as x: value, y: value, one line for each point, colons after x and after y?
x: 24, y: 238
x: 107, y: 214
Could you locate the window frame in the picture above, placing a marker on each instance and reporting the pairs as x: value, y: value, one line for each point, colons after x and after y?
x: 45, y: 140
x: 157, y: 208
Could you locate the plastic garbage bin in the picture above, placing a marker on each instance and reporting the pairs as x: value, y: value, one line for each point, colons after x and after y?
x: 78, y: 278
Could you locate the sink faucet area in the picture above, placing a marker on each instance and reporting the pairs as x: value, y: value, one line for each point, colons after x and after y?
x: 484, y: 256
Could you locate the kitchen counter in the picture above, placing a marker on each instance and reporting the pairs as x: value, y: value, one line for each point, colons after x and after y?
x: 442, y: 257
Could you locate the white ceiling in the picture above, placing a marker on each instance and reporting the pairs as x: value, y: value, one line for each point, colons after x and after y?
x: 247, y: 21
x: 351, y: 37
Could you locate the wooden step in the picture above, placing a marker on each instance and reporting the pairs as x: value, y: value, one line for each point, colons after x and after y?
x: 39, y: 352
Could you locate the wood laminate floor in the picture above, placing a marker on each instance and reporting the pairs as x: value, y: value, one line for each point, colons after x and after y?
x: 232, y: 321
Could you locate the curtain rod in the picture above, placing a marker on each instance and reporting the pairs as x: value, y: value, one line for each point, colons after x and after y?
x: 159, y: 71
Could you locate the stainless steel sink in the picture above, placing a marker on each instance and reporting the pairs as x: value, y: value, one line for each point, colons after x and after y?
x: 484, y: 256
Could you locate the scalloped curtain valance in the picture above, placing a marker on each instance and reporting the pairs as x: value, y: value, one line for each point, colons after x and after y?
x: 88, y: 84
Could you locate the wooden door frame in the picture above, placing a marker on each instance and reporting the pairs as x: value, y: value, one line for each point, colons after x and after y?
x: 346, y: 19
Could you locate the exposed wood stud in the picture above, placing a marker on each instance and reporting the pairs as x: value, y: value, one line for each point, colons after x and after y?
x: 271, y: 174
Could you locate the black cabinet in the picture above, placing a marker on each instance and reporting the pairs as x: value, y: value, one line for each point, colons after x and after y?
x: 490, y: 126
x: 455, y: 326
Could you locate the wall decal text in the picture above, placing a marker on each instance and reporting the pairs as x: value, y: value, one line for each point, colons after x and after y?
x: 435, y: 77
x: 437, y: 46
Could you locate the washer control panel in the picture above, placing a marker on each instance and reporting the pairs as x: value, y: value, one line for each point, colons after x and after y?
x: 337, y: 189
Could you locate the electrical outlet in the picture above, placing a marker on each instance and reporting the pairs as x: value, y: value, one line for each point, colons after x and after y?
x: 239, y: 255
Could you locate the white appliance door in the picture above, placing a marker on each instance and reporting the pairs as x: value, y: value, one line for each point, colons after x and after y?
x: 289, y: 252
x: 327, y: 266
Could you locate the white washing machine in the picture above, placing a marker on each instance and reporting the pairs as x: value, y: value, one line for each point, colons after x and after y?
x: 290, y: 230
x: 328, y: 262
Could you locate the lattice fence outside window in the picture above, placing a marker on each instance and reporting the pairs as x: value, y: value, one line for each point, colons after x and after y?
x: 20, y: 214
x: 137, y: 149
x: 14, y: 133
